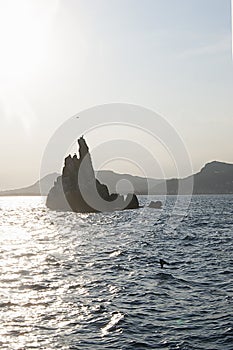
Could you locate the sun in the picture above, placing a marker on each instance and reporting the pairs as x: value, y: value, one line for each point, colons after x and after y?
x: 24, y: 33
x: 26, y: 28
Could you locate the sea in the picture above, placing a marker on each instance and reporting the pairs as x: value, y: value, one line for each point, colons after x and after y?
x: 94, y: 281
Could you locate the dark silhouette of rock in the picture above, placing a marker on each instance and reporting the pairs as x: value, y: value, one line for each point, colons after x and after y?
x: 78, y: 190
x: 132, y: 201
x: 155, y: 205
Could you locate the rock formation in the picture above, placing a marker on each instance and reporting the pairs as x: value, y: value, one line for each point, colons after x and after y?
x: 78, y: 190
x: 155, y: 205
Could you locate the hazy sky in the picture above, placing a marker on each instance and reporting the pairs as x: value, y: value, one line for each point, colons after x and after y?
x: 60, y: 57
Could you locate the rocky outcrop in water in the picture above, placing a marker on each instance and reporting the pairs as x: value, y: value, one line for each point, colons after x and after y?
x: 78, y: 190
x: 155, y: 205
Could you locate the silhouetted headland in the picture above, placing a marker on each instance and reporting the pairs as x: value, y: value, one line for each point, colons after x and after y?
x: 214, y: 178
x: 78, y: 190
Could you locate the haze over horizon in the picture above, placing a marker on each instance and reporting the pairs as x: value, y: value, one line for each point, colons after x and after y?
x: 59, y: 58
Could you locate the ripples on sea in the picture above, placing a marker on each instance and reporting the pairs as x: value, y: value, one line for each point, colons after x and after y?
x: 93, y: 281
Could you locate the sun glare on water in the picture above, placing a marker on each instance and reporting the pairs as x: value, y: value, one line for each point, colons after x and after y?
x: 12, y: 234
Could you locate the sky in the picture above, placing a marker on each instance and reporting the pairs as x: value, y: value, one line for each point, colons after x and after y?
x: 61, y: 57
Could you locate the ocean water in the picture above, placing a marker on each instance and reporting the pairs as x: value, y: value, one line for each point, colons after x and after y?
x: 93, y: 281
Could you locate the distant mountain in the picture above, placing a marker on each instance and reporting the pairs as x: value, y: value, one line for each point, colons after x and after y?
x: 124, y: 183
x: 214, y: 178
x: 111, y: 179
x: 34, y: 190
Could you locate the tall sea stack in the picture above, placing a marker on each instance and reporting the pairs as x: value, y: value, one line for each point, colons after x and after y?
x: 78, y: 190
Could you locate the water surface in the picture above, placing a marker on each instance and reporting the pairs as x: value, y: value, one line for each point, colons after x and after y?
x: 93, y: 281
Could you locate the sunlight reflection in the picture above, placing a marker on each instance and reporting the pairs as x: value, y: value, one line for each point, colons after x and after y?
x: 115, y: 319
x: 13, y: 233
